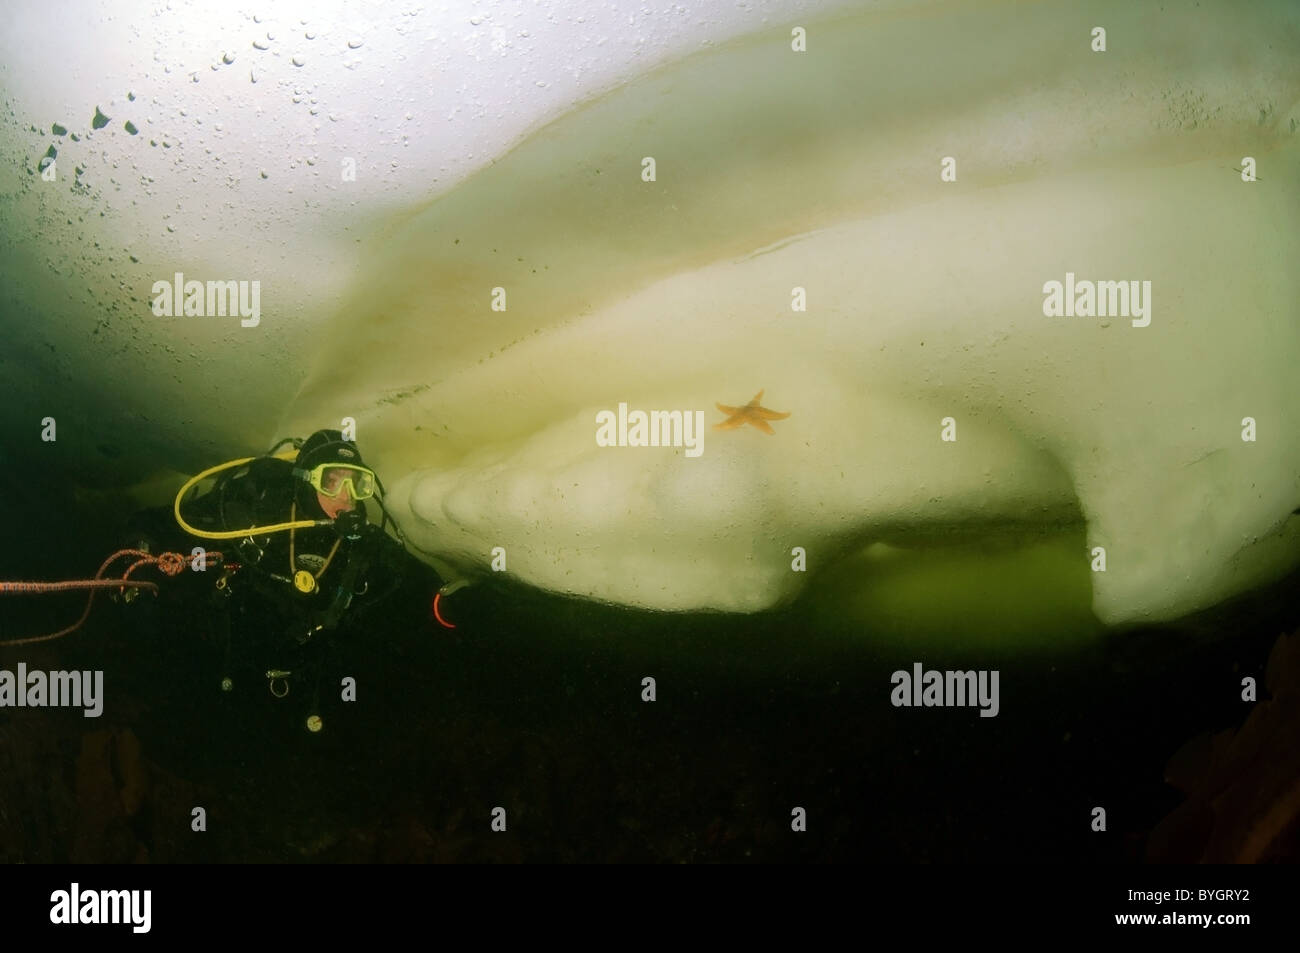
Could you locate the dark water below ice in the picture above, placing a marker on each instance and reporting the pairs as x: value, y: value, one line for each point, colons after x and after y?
x: 533, y: 704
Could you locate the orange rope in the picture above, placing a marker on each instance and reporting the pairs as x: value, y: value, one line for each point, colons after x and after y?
x: 17, y: 588
x: 168, y: 563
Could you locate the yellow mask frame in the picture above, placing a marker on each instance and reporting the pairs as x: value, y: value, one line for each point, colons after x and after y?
x: 329, y: 479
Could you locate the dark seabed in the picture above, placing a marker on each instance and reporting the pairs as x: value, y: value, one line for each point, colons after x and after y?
x: 533, y: 703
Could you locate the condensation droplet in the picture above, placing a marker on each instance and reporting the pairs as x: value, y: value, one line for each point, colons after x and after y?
x: 228, y: 58
x: 354, y: 44
x: 297, y: 61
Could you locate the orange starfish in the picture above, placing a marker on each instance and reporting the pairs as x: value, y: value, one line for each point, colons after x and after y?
x: 751, y: 413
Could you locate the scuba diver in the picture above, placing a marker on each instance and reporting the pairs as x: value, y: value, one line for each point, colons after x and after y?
x: 299, y: 557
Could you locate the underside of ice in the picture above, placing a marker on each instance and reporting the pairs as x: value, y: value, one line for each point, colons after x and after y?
x: 925, y: 301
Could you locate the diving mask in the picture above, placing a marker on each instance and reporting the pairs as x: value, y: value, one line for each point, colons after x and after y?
x: 329, y: 479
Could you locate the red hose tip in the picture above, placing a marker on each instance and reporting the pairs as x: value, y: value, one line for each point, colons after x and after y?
x: 438, y: 615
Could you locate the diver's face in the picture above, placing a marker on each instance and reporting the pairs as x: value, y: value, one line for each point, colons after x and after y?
x: 334, y: 505
x: 338, y: 489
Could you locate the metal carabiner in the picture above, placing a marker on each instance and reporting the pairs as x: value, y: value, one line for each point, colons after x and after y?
x: 280, y: 676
